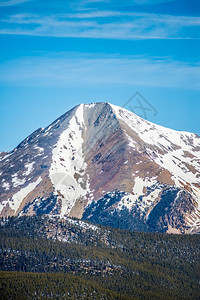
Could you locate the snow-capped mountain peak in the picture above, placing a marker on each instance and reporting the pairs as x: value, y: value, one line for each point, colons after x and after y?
x: 102, y: 162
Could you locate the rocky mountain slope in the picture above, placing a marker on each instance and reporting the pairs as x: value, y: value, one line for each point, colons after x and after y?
x: 105, y: 164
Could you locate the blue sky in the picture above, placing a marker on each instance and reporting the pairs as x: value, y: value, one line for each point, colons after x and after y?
x: 56, y: 54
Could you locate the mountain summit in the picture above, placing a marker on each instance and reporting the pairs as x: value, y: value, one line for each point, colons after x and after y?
x: 105, y: 164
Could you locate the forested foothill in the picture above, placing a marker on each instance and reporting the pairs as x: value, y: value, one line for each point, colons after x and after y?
x: 45, y: 257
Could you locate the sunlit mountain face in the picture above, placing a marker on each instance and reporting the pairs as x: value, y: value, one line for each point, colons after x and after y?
x: 103, y: 163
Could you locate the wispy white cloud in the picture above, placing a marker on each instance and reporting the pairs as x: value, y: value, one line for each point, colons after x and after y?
x: 69, y: 70
x: 132, y: 2
x: 103, y: 24
x: 12, y: 2
x: 150, y: 2
x: 95, y: 14
x: 94, y: 1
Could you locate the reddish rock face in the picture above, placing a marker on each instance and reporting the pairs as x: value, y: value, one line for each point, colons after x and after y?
x: 104, y: 157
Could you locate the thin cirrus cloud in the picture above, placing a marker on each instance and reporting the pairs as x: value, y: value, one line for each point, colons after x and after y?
x: 68, y: 69
x: 88, y: 2
x: 103, y: 24
x: 12, y: 2
x: 132, y: 2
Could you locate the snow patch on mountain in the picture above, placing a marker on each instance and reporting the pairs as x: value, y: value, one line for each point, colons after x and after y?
x: 175, y: 148
x: 6, y: 185
x: 127, y: 201
x: 68, y: 168
x: 145, y: 200
x: 141, y: 183
x: 39, y: 149
x: 15, y: 201
x: 177, y: 164
x: 17, y: 181
x: 150, y: 198
x: 29, y: 168
x: 157, y: 135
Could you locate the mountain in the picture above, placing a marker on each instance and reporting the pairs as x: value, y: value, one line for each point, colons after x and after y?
x: 102, y: 163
